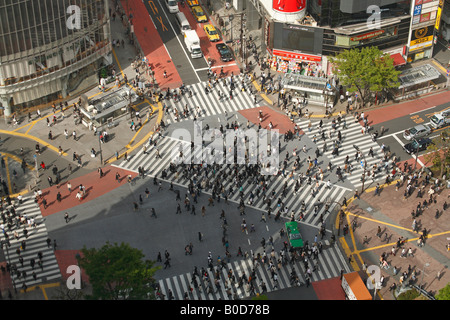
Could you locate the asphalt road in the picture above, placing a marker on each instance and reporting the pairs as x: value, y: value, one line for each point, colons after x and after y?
x: 173, y: 40
x: 393, y: 136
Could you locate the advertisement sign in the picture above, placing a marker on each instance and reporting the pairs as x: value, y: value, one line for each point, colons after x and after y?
x: 295, y: 55
x: 368, y: 35
x: 421, y: 38
x: 438, y: 15
x: 417, y: 10
x: 289, y: 6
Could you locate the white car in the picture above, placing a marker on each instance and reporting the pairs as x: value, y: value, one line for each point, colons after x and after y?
x: 172, y: 5
x: 418, y: 131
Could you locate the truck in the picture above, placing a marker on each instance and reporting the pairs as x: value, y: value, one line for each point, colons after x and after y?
x: 440, y: 120
x: 192, y: 42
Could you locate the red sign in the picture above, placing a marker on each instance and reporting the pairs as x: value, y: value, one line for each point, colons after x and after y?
x: 368, y: 35
x: 294, y: 55
x: 289, y: 5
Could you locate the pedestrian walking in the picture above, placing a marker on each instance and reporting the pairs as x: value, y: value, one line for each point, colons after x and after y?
x: 66, y: 217
x: 200, y: 236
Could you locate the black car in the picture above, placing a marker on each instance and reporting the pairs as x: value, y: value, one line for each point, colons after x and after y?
x: 225, y: 53
x: 417, y: 145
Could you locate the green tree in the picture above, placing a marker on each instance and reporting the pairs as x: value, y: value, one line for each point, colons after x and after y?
x: 366, y: 71
x: 438, y: 153
x: 118, y: 272
x: 444, y: 293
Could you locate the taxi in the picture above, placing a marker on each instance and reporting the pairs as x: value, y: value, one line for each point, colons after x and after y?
x: 192, y: 3
x: 199, y: 14
x: 211, y: 32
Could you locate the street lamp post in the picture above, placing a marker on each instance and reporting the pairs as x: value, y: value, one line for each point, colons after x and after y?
x: 423, y: 273
x: 417, y: 153
x: 100, y: 147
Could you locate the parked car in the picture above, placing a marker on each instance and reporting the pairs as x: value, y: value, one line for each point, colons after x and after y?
x: 211, y: 32
x: 224, y: 51
x: 417, y: 145
x: 172, y: 5
x: 419, y: 131
x: 199, y: 14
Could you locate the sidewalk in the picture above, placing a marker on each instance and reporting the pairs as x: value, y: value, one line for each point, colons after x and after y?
x: 392, y: 212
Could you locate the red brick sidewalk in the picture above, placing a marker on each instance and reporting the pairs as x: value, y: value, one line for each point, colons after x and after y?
x: 393, y: 214
x: 67, y: 258
x: 279, y: 121
x: 95, y: 187
x: 402, y: 109
x: 152, y: 44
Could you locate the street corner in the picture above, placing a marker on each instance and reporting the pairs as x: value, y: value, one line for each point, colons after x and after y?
x: 420, y: 162
x: 279, y: 121
x: 67, y: 258
x: 15, y: 174
x: 83, y: 189
x: 384, y: 226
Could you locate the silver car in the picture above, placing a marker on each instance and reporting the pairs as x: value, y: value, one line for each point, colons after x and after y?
x: 418, y: 131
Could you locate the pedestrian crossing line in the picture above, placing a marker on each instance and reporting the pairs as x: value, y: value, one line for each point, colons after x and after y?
x: 35, y: 242
x: 329, y: 261
x: 350, y: 136
x: 209, y: 103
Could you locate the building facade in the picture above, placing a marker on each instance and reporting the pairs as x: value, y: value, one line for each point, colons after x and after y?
x: 50, y: 49
x: 404, y: 28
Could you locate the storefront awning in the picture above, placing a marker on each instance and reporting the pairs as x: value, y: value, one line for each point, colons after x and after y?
x: 398, y: 59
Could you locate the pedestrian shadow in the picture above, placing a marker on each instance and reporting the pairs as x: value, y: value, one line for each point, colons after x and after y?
x: 72, y: 217
x: 106, y: 172
x: 65, y: 197
x: 80, y: 136
x: 55, y: 137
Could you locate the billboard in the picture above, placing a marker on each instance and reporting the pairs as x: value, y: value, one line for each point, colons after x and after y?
x: 289, y: 6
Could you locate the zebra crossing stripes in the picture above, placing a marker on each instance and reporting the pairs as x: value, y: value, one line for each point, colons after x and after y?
x: 292, y: 200
x: 36, y: 242
x: 330, y: 263
x: 209, y: 103
x: 351, y: 136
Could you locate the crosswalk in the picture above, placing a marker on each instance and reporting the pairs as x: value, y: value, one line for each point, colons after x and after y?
x: 202, y: 104
x: 313, y: 193
x: 329, y: 263
x: 351, y: 136
x: 34, y: 243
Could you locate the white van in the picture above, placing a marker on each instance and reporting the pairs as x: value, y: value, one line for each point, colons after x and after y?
x: 172, y: 5
x: 182, y: 22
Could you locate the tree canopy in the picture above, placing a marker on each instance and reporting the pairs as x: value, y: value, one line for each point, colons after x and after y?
x: 438, y: 152
x: 444, y: 293
x: 366, y: 70
x: 118, y: 272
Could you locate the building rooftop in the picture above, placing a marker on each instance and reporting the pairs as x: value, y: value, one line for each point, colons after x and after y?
x: 417, y: 75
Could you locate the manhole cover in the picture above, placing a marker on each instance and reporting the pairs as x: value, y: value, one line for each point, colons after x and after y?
x: 169, y: 61
x: 369, y: 209
x: 179, y: 65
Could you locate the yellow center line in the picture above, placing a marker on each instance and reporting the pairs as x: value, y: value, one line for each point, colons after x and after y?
x: 22, y: 127
x: 23, y: 135
x: 31, y: 126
